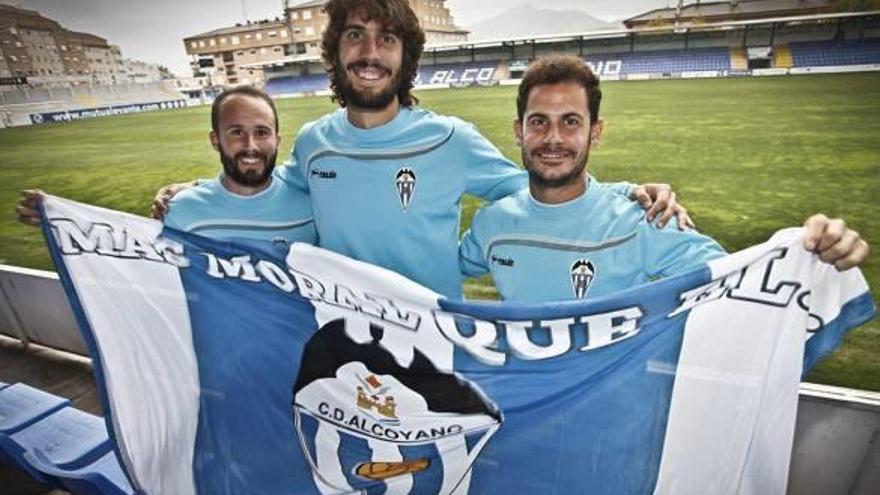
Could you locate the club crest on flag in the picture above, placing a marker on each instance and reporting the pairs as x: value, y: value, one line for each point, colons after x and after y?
x: 373, y: 395
x: 582, y: 274
x: 385, y: 423
x: 406, y: 186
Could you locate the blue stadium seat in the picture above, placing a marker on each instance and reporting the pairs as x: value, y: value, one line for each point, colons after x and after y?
x: 835, y: 53
x: 665, y: 61
x: 297, y: 84
x: 102, y: 477
x: 22, y: 405
x: 68, y: 438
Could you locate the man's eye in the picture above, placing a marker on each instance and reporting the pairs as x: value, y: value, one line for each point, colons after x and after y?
x: 389, y: 39
x: 536, y: 122
x: 572, y: 122
x: 354, y: 35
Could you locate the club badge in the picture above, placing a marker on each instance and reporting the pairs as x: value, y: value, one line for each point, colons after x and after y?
x: 368, y: 420
x: 406, y: 186
x: 582, y: 274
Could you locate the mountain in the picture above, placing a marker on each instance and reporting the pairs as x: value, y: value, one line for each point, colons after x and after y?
x: 526, y: 20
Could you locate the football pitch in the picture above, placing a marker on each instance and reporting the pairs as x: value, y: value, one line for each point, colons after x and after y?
x: 747, y: 156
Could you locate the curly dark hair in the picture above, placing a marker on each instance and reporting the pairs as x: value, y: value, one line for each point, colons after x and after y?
x: 397, y: 17
x: 554, y: 69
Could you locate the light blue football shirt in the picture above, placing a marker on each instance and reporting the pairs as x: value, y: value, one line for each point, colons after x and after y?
x: 279, y: 213
x: 594, y: 245
x: 391, y: 195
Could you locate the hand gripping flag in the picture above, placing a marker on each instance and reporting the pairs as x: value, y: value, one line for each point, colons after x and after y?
x: 232, y: 368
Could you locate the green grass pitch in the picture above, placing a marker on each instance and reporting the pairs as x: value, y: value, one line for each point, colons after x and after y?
x: 747, y: 156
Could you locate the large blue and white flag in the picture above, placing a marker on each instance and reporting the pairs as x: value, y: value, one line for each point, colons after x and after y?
x: 230, y: 368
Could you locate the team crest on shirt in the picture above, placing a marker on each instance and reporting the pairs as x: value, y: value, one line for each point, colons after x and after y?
x: 416, y: 419
x: 406, y: 186
x: 583, y: 271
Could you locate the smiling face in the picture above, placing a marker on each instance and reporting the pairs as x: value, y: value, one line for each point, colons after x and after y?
x: 369, y: 64
x: 555, y: 135
x: 246, y: 140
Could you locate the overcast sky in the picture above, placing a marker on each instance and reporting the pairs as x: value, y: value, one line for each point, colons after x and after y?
x: 153, y: 30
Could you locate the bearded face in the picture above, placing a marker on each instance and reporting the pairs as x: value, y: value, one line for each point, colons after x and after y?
x: 249, y: 168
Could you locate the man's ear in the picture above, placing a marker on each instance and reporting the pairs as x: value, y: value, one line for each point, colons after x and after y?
x: 215, y: 140
x: 596, y: 132
x: 517, y: 131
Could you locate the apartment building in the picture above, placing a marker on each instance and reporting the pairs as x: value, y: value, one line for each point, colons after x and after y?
x: 48, y: 54
x: 222, y: 53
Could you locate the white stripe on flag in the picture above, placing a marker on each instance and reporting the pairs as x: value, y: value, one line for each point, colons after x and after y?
x: 145, y: 346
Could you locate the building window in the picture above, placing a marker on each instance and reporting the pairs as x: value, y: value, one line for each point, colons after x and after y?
x: 248, y: 36
x: 307, y: 14
x: 18, y: 44
x: 262, y: 50
x: 235, y: 40
x: 13, y: 30
x: 13, y: 58
x: 310, y: 31
x: 259, y: 36
x: 284, y: 34
x: 222, y: 41
x: 212, y: 42
x: 272, y: 34
x: 202, y: 44
x: 294, y: 15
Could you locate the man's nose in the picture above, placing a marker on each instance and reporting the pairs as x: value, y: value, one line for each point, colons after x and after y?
x: 250, y: 141
x: 553, y: 136
x: 370, y: 47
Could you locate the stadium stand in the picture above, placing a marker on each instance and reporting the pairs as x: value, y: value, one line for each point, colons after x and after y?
x: 782, y: 57
x: 18, y: 104
x: 481, y: 73
x: 455, y: 74
x: 826, y: 54
x: 288, y: 85
x: 664, y: 62
x: 739, y: 59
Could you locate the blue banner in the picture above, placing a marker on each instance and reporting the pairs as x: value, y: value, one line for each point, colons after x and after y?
x: 229, y: 368
x: 87, y: 113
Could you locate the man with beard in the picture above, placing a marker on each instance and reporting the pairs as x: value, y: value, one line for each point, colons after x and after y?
x: 245, y: 201
x: 566, y: 236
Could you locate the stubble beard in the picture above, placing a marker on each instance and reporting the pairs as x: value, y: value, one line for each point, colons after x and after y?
x: 574, y: 175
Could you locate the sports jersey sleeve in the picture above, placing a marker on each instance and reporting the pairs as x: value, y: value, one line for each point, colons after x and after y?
x: 174, y: 218
x: 294, y: 173
x: 621, y: 188
x: 670, y: 251
x: 471, y: 259
x: 488, y: 173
